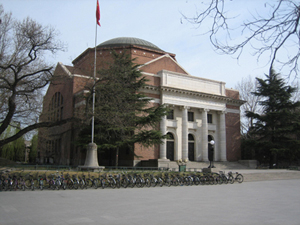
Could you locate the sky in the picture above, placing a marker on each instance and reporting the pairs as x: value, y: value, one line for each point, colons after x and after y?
x: 157, y: 21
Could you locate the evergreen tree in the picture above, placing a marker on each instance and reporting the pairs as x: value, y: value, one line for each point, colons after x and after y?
x: 33, y: 149
x: 123, y: 115
x: 275, y: 129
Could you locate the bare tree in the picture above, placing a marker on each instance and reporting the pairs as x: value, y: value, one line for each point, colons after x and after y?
x: 23, y: 72
x: 246, y: 87
x: 269, y: 34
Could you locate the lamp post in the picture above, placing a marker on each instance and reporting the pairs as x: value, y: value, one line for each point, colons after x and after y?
x: 211, y: 154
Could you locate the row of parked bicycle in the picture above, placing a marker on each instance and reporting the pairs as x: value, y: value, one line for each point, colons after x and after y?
x: 17, y: 181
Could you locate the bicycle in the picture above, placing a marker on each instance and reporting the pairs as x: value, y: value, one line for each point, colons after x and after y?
x: 22, y: 183
x: 30, y: 182
x: 124, y: 181
x: 238, y: 177
x: 40, y: 182
x: 82, y: 183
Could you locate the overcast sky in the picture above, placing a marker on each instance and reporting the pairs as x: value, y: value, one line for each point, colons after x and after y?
x: 157, y: 21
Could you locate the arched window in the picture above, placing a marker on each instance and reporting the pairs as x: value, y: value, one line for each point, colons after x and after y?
x: 191, y: 147
x: 56, y: 107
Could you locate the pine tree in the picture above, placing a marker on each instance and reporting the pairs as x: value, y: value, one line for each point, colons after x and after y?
x: 275, y: 129
x: 123, y: 115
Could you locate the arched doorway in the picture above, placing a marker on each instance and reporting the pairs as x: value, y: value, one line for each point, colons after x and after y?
x: 170, y: 146
x: 191, y: 147
x: 210, y: 148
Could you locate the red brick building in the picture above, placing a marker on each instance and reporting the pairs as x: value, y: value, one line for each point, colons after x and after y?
x: 202, y: 109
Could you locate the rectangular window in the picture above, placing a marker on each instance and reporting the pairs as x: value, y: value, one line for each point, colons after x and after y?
x: 170, y: 115
x: 209, y: 118
x: 191, y: 116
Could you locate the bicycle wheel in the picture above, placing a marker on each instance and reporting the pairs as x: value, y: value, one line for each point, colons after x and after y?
x: 27, y: 183
x: 36, y: 184
x: 75, y: 185
x: 11, y: 186
x: 138, y: 183
x: 219, y: 180
x: 64, y: 184
x: 6, y: 185
x: 81, y: 184
x: 202, y: 180
x: 113, y: 183
x: 153, y: 182
x: 124, y: 183
x: 147, y: 182
x: 103, y: 183
x: 32, y: 186
x: 175, y: 182
x: 88, y: 183
x: 196, y: 180
x: 142, y: 181
x: 161, y: 182
x: 230, y: 179
x: 69, y: 184
x: 211, y: 180
x: 52, y: 184
x: 225, y: 180
x: 57, y: 185
x: 118, y: 183
x: 41, y: 184
x: 239, y: 178
x: 168, y: 182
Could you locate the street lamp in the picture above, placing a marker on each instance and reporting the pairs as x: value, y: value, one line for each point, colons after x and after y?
x: 211, y: 154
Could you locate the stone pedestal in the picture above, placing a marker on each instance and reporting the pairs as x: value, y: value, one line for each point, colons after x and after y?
x: 91, y: 160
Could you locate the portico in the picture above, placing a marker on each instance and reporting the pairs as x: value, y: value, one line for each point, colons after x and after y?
x: 194, y: 115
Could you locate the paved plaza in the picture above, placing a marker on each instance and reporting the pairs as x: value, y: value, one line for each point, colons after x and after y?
x: 252, y: 202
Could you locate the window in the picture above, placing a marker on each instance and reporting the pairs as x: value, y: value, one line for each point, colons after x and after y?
x: 191, y: 116
x: 53, y: 147
x: 56, y: 107
x: 170, y: 115
x: 209, y: 118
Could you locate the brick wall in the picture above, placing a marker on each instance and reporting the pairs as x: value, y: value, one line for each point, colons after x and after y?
x: 233, y: 136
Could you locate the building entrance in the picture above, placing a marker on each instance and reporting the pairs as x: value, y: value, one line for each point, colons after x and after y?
x: 191, y: 147
x: 170, y: 147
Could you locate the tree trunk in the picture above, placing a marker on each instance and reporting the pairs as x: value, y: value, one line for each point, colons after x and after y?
x: 117, y: 157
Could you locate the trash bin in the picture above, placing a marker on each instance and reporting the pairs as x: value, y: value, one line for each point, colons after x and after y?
x: 182, y: 168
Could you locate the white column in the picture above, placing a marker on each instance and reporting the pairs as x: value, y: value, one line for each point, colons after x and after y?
x: 222, y: 136
x: 163, y: 146
x: 204, y: 135
x: 185, y: 142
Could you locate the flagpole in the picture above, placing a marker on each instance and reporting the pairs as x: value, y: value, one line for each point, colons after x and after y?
x: 93, y: 108
x: 91, y: 158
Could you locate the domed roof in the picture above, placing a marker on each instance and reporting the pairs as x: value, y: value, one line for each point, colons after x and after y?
x: 123, y: 41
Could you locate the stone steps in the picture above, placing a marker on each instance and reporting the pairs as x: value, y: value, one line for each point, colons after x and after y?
x: 197, y: 166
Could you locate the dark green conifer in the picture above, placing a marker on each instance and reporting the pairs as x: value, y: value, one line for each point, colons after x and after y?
x: 275, y: 129
x: 123, y: 115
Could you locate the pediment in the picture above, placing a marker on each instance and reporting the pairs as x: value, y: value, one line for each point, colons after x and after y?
x: 165, y: 62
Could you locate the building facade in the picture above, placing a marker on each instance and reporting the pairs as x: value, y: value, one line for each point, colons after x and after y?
x: 201, y: 109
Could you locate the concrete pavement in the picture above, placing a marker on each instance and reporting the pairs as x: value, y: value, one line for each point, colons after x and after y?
x: 264, y: 202
x: 251, y: 175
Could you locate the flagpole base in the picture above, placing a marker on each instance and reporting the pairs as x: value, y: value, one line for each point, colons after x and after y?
x: 91, y: 160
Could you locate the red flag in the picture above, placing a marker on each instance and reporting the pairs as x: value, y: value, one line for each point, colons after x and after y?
x: 98, y: 14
